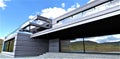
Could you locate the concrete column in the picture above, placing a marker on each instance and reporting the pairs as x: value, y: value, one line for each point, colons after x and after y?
x: 54, y: 45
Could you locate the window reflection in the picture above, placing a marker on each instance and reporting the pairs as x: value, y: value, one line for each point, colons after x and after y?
x: 114, y: 3
x: 103, y: 44
x: 9, y: 45
x: 65, y: 45
x: 99, y: 44
x: 72, y: 45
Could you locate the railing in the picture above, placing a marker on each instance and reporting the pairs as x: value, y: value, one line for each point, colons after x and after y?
x: 26, y: 24
x: 40, y: 20
x: 12, y: 33
x: 93, y: 10
x: 17, y: 30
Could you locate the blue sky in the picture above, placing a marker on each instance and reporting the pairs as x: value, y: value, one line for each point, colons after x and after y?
x: 13, y: 13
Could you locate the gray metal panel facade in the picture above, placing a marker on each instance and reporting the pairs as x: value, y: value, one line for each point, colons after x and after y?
x: 25, y: 46
x: 54, y: 45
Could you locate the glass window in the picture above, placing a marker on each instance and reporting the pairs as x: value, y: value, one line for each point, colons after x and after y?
x: 101, y: 7
x: 66, y: 20
x: 99, y: 44
x: 103, y: 44
x: 1, y: 45
x: 79, y: 15
x: 115, y: 3
x: 75, y: 45
x: 9, y: 45
x: 65, y: 45
x: 75, y: 17
x: 84, y: 14
x: 88, y: 12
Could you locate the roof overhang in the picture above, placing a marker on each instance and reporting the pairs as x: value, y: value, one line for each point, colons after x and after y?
x: 101, y: 27
x: 98, y: 26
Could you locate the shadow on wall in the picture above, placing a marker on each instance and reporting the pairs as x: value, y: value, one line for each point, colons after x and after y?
x: 1, y: 41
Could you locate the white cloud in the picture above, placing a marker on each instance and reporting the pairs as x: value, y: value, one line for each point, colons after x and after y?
x: 96, y: 39
x: 90, y: 1
x: 101, y: 39
x: 78, y: 39
x: 107, y: 38
x: 2, y: 4
x: 31, y: 16
x: 52, y: 12
x: 77, y: 5
x: 63, y: 4
x: 71, y: 8
x: 116, y: 36
x: 57, y: 11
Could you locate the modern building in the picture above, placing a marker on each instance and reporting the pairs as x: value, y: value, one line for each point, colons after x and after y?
x: 92, y: 28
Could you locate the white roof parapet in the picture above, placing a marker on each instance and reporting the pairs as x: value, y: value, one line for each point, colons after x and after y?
x: 83, y: 8
x: 11, y: 36
x: 28, y: 22
x: 39, y: 22
x: 35, y: 18
x: 113, y: 11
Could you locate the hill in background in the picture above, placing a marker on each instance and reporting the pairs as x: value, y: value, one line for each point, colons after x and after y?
x: 94, y: 46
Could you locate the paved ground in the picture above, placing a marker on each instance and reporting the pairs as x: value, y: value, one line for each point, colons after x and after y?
x: 66, y: 56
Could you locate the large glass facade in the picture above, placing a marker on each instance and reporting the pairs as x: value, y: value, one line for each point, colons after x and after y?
x: 9, y: 45
x: 99, y: 44
x: 103, y: 44
x: 71, y: 46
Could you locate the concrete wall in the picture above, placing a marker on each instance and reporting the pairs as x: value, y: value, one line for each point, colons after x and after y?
x: 25, y: 46
x: 54, y: 45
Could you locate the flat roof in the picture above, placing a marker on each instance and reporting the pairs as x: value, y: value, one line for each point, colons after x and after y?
x: 103, y: 16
